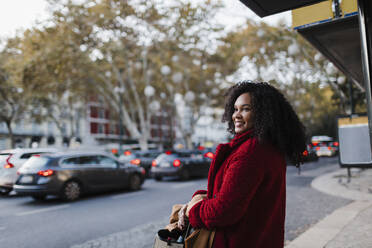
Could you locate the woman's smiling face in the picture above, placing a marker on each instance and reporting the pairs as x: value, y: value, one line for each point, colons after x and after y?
x: 243, y: 116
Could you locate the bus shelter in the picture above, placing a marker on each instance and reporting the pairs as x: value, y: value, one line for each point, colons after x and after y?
x: 342, y: 31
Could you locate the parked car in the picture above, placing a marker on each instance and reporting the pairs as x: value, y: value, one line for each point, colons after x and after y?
x: 183, y: 164
x: 11, y: 160
x: 71, y: 174
x: 144, y: 159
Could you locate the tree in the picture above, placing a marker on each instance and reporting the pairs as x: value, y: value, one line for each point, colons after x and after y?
x: 57, y: 72
x: 158, y: 46
x: 316, y: 89
x: 15, y: 100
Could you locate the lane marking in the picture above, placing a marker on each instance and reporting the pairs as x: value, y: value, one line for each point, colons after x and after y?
x: 126, y: 195
x: 42, y: 210
x: 183, y: 185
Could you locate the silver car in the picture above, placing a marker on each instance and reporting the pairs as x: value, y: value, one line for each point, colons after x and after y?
x: 11, y: 160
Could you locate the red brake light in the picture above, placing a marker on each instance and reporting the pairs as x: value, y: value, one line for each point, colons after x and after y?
x: 318, y: 148
x: 46, y: 173
x: 8, y: 166
x: 209, y: 155
x: 305, y: 153
x: 329, y: 148
x: 315, y: 143
x: 153, y: 163
x: 335, y: 143
x: 36, y: 155
x: 135, y: 161
x: 127, y: 153
x: 168, y: 152
x: 201, y: 148
x: 176, y: 163
x: 114, y: 151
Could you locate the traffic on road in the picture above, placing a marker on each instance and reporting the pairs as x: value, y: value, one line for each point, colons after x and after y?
x: 69, y: 174
x: 94, y: 195
x: 125, y: 218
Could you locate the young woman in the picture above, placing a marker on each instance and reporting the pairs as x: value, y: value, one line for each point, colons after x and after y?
x: 245, y: 201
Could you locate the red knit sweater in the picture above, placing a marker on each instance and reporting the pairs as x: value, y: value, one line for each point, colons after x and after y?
x: 246, y: 195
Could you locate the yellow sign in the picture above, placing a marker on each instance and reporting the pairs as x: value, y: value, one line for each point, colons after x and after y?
x: 349, y: 6
x: 312, y: 14
x: 347, y: 121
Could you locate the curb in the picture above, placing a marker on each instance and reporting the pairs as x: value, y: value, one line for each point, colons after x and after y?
x: 326, y: 229
x: 328, y: 184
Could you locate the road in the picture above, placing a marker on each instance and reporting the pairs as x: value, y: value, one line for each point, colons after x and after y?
x: 130, y: 219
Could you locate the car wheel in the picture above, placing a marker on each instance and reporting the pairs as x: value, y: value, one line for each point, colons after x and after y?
x: 4, y: 191
x: 135, y: 182
x: 71, y: 191
x: 158, y: 178
x: 185, y: 175
x: 39, y: 197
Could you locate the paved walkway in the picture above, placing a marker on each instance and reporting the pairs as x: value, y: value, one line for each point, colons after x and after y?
x: 346, y: 227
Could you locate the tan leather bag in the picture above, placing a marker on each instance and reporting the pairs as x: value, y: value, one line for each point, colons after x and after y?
x: 200, y: 238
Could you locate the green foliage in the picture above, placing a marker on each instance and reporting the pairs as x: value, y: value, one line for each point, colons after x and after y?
x: 317, y: 91
x: 115, y: 49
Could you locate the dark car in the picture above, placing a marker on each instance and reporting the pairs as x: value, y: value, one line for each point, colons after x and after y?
x: 309, y: 154
x: 71, y: 174
x: 182, y: 164
x: 144, y: 159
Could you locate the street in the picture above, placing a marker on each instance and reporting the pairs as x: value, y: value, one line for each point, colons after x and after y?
x: 131, y: 219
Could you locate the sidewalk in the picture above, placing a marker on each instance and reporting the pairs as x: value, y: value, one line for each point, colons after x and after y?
x: 346, y: 227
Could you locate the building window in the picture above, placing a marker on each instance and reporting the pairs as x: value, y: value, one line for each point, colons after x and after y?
x: 101, y: 128
x: 101, y: 113
x: 93, y: 112
x: 107, y: 128
x: 112, y: 128
x: 93, y: 127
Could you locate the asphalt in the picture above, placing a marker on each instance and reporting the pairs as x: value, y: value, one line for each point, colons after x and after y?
x: 349, y: 226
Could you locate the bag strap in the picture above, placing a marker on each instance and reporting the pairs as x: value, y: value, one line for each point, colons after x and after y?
x: 188, y: 231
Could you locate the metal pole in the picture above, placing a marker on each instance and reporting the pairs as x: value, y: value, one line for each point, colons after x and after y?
x: 365, y: 19
x: 351, y: 100
x: 336, y: 5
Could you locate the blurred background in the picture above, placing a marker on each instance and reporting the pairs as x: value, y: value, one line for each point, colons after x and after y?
x: 139, y: 74
x: 126, y: 98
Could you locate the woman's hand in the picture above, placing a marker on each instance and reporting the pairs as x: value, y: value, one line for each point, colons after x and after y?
x: 195, y: 200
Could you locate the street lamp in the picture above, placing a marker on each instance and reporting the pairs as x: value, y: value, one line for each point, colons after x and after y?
x: 149, y: 91
x: 293, y: 49
x: 154, y: 106
x: 189, y: 96
x: 177, y: 77
x: 165, y: 70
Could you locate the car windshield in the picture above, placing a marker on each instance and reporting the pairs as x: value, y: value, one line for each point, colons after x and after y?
x: 36, y: 162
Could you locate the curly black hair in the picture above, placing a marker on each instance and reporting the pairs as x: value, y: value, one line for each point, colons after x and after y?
x: 275, y: 121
